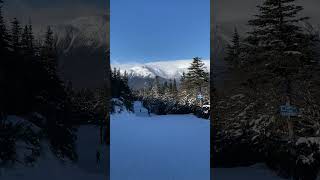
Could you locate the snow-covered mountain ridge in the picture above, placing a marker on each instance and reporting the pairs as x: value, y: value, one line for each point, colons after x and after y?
x: 89, y: 32
x: 165, y: 69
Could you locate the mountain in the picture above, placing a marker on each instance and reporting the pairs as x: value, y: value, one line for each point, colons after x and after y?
x: 142, y: 74
x: 82, y: 45
x: 87, y: 32
x: 163, y: 69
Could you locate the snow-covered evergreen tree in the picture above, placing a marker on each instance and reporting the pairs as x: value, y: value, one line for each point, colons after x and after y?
x: 277, y: 39
x: 16, y: 36
x: 49, y: 53
x: 233, y: 50
x: 120, y: 88
x: 197, y: 76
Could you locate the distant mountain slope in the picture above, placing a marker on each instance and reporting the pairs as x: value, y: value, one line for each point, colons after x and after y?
x: 140, y: 75
x: 82, y: 45
x: 164, y: 69
x: 82, y: 32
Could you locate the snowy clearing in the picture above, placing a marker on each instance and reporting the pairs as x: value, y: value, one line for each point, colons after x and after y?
x: 170, y: 147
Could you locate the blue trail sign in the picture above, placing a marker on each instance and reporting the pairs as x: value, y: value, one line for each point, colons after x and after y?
x: 200, y: 97
x: 287, y: 110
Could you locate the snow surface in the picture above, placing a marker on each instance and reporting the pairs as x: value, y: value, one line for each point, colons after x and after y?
x: 165, y: 69
x: 50, y: 168
x: 19, y: 121
x: 169, y: 147
x: 256, y: 172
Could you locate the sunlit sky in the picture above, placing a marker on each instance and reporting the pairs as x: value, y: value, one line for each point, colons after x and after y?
x: 149, y: 30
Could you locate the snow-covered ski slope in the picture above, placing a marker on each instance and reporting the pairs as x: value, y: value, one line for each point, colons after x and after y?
x: 170, y: 147
x: 49, y: 168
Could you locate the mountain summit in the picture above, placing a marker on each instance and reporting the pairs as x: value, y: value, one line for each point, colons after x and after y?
x: 141, y: 74
x: 164, y: 69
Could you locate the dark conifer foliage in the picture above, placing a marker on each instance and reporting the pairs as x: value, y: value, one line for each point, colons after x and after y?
x: 120, y: 88
x: 197, y: 76
x: 175, y: 87
x: 4, y: 41
x: 277, y: 38
x: 4, y: 52
x: 233, y: 50
x: 16, y: 36
x: 32, y: 89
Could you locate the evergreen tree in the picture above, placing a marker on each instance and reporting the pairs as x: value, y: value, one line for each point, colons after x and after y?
x: 276, y: 36
x: 30, y: 36
x: 170, y: 86
x: 4, y: 52
x: 183, y: 79
x: 27, y: 41
x: 157, y: 86
x: 197, y: 76
x: 175, y: 88
x: 118, y: 82
x: 120, y: 88
x: 114, y: 73
x: 125, y: 77
x: 49, y: 52
x: 16, y: 36
x: 234, y: 50
x: 118, y: 75
x: 4, y: 37
x: 24, y: 39
x: 165, y: 86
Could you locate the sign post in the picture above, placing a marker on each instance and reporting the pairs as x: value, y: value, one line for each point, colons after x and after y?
x: 289, y: 111
x: 200, y: 97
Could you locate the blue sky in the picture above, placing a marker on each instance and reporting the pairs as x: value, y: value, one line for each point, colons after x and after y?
x: 149, y: 30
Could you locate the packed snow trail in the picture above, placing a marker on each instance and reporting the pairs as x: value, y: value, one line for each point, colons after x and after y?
x: 169, y: 147
x: 50, y: 168
x: 140, y: 110
x: 87, y: 146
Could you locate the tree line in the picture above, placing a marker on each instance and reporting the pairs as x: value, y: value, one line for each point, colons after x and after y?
x: 121, y: 90
x: 182, y: 97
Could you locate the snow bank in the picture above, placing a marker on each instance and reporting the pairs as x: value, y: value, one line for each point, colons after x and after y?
x: 19, y: 121
x: 50, y: 168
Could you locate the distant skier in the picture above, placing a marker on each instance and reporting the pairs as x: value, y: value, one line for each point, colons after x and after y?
x: 140, y: 110
x: 98, y: 157
x: 148, y: 112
